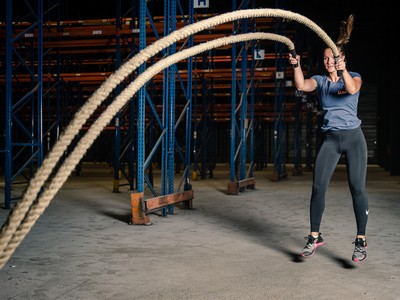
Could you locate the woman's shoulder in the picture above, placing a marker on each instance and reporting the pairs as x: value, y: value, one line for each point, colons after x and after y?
x: 319, y: 78
x: 354, y: 74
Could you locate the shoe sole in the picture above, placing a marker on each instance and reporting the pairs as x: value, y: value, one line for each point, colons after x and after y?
x: 355, y: 259
x: 315, y: 249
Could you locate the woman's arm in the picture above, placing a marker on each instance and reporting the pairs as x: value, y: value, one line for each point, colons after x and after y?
x: 351, y: 84
x: 305, y: 85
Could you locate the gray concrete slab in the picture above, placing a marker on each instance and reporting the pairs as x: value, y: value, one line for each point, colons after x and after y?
x: 228, y: 247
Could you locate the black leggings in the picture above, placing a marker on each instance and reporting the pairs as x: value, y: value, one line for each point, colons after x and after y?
x: 352, y: 144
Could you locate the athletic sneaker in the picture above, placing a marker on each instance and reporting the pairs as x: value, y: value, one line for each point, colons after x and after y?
x: 360, y: 250
x: 312, y: 245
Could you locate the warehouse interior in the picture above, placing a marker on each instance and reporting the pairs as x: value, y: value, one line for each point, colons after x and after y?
x: 208, y: 137
x: 223, y: 105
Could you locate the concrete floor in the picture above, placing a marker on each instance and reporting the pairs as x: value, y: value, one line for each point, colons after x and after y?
x: 228, y: 247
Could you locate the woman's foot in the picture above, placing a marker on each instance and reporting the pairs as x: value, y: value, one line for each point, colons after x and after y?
x: 360, y: 250
x: 312, y: 244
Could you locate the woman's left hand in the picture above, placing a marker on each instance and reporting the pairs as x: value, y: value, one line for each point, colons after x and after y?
x: 340, y: 64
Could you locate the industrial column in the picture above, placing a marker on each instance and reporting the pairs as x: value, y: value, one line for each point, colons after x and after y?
x: 165, y: 199
x: 280, y: 151
x: 23, y: 138
x: 240, y: 123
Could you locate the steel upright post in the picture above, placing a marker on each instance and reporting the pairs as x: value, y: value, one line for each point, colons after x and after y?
x: 172, y: 72
x: 232, y: 161
x: 117, y: 118
x: 141, y: 102
x: 189, y: 108
x: 8, y: 105
x: 280, y: 106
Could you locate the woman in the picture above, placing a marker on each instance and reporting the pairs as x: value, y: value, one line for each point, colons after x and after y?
x: 338, y: 96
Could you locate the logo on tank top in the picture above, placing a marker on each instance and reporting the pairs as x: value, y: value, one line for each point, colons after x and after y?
x: 341, y: 92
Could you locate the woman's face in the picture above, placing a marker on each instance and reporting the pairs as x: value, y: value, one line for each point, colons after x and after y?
x: 329, y: 60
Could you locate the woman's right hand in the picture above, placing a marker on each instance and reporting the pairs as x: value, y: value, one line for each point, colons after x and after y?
x: 294, y: 60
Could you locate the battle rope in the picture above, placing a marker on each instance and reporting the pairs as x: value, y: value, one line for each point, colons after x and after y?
x: 18, y: 224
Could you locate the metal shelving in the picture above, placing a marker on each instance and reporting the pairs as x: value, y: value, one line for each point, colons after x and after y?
x: 78, y: 55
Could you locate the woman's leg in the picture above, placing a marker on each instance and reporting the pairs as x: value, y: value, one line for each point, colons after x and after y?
x: 325, y: 164
x: 357, y: 159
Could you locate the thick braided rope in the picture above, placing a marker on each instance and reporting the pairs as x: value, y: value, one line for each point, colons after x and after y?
x: 21, y: 208
x: 36, y: 183
x: 126, y: 95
